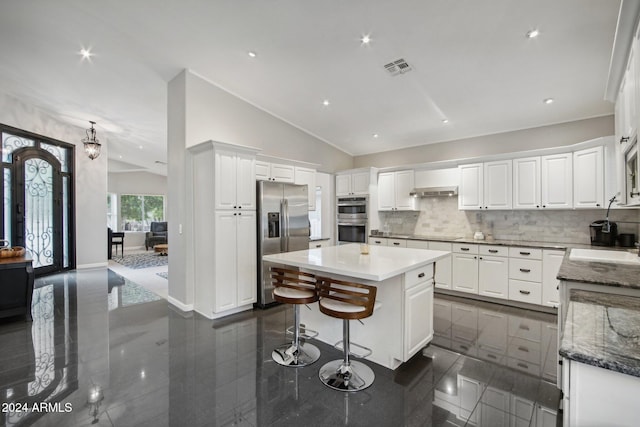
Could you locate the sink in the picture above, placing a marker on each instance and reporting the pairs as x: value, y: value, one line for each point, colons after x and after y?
x: 616, y: 257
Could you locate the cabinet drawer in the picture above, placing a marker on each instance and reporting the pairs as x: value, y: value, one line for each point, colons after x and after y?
x: 398, y: 243
x: 418, y: 244
x: 528, y: 329
x: 527, y: 253
x: 494, y: 250
x: 530, y: 368
x: 318, y: 244
x: 530, y: 292
x: 418, y: 275
x: 465, y: 248
x: 524, y: 350
x: 525, y: 269
x: 380, y: 241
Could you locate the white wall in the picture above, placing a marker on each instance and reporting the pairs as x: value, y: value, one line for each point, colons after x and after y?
x: 90, y: 176
x: 328, y: 184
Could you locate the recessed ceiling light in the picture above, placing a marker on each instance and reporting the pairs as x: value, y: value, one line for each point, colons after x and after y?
x: 140, y: 147
x: 366, y: 39
x: 548, y: 101
x: 375, y: 135
x: 120, y: 156
x: 533, y: 33
x: 251, y: 54
x: 326, y: 103
x: 445, y: 121
x: 86, y: 53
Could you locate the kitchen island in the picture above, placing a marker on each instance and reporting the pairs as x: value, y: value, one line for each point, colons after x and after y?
x: 402, y: 321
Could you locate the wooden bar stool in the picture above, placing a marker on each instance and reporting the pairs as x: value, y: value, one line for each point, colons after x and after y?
x: 346, y: 301
x: 295, y: 287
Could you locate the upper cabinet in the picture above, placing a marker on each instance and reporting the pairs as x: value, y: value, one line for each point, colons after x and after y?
x: 394, y: 189
x: 588, y: 178
x: 544, y: 182
x: 278, y: 172
x: 526, y: 183
x: 356, y: 183
x: 307, y: 176
x: 485, y: 185
x: 235, y: 187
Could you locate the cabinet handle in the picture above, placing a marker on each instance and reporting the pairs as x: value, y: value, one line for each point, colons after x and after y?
x: 421, y: 275
x: 234, y: 207
x: 525, y: 293
x: 537, y: 206
x: 525, y: 270
x: 544, y: 206
x: 524, y: 327
x: 377, y: 241
x: 239, y: 207
x: 624, y: 139
x: 396, y: 243
x: 491, y: 356
x: 525, y: 253
x: 475, y: 257
x: 525, y: 349
x: 239, y: 213
x: 464, y: 249
x: 493, y: 251
x: 480, y: 257
x: 522, y: 365
x: 597, y: 204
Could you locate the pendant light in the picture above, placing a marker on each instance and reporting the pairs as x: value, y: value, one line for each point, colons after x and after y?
x: 91, y: 144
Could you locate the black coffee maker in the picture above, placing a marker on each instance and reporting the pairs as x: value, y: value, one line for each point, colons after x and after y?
x: 603, y: 233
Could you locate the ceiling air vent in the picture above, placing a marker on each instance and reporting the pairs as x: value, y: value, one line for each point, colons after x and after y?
x: 399, y: 66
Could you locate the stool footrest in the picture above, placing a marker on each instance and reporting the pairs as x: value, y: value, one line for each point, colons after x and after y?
x: 367, y: 351
x: 304, y: 332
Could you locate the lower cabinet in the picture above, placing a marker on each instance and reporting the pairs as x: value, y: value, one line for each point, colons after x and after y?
x: 493, y: 275
x: 551, y: 261
x: 235, y: 272
x: 465, y: 268
x: 418, y: 309
x: 443, y: 266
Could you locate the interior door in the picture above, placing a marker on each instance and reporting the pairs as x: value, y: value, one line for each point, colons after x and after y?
x: 37, y: 192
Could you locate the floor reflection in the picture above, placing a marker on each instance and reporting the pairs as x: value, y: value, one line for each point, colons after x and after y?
x: 150, y: 364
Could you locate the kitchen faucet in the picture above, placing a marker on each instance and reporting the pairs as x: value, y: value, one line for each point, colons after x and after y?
x: 606, y: 228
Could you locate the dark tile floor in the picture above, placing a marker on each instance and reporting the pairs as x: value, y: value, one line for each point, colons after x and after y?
x: 94, y: 356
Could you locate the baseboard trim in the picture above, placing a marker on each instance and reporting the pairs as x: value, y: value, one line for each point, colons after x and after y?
x: 94, y: 265
x: 225, y: 313
x: 179, y: 304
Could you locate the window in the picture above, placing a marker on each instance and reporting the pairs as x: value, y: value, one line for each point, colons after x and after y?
x: 112, y: 211
x: 137, y: 212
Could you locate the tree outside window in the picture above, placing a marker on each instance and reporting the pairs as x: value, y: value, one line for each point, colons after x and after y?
x: 137, y: 211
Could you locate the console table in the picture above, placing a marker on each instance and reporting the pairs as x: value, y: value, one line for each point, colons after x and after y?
x: 16, y: 286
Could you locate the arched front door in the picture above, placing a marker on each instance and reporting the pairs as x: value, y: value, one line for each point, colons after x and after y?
x: 38, y: 207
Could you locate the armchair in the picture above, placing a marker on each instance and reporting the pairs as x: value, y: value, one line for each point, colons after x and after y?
x: 156, y: 235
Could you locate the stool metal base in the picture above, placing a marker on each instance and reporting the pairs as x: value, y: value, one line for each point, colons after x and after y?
x: 288, y: 355
x: 355, y: 377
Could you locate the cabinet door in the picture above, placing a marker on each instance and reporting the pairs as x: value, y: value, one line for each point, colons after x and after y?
x: 225, y: 179
x: 245, y: 181
x: 557, y: 181
x: 308, y: 177
x: 497, y: 185
x: 551, y: 261
x: 465, y: 273
x: 343, y: 185
x: 471, y: 186
x: 404, y: 184
x: 588, y: 178
x: 470, y: 391
x: 225, y: 242
x: 360, y: 183
x: 443, y: 266
x: 263, y: 171
x: 493, y: 276
x: 386, y: 191
x: 526, y: 183
x: 246, y: 260
x: 379, y: 241
x: 282, y: 173
x: 418, y: 318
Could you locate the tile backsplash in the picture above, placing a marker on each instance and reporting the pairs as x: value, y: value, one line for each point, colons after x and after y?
x: 440, y: 217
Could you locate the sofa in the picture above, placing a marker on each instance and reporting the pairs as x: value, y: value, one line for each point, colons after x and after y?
x: 156, y: 235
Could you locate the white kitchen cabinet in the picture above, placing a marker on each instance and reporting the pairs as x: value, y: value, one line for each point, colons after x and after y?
x: 551, y: 261
x: 418, y: 316
x: 356, y: 183
x: 318, y: 244
x: 306, y: 176
x: 379, y: 241
x: 465, y: 272
x: 278, y: 172
x: 493, y: 276
x: 418, y: 244
x: 498, y: 182
x: 443, y: 266
x: 394, y: 189
x: 397, y: 243
x: 588, y: 178
x: 557, y: 181
x: 235, y: 238
x: 526, y: 183
x: 234, y: 185
x: 471, y: 188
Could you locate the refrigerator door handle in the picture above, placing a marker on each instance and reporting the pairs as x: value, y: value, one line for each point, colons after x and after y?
x: 285, y: 222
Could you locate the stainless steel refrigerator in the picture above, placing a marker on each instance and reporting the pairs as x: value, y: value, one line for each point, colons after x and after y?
x: 283, y: 226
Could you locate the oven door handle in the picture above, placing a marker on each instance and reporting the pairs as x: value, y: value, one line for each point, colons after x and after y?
x: 355, y: 224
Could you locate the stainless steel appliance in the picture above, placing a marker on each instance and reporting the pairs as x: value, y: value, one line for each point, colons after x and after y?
x: 283, y: 226
x: 352, y: 219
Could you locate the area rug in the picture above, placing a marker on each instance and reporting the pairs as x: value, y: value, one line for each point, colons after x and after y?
x: 164, y: 274
x: 130, y: 294
x: 137, y: 261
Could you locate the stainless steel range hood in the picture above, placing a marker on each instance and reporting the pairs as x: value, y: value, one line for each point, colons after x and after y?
x: 435, y: 191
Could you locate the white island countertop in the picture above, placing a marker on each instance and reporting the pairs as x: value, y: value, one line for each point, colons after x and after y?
x: 380, y: 264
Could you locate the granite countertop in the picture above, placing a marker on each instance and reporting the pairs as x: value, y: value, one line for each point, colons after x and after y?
x: 600, y: 273
x: 381, y: 263
x: 603, y: 330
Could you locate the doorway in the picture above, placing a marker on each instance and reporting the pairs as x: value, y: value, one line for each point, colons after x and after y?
x: 37, y: 198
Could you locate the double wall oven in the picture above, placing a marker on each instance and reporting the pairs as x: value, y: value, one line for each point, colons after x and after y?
x: 352, y: 219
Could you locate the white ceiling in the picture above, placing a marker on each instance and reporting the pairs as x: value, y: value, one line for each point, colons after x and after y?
x: 472, y: 65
